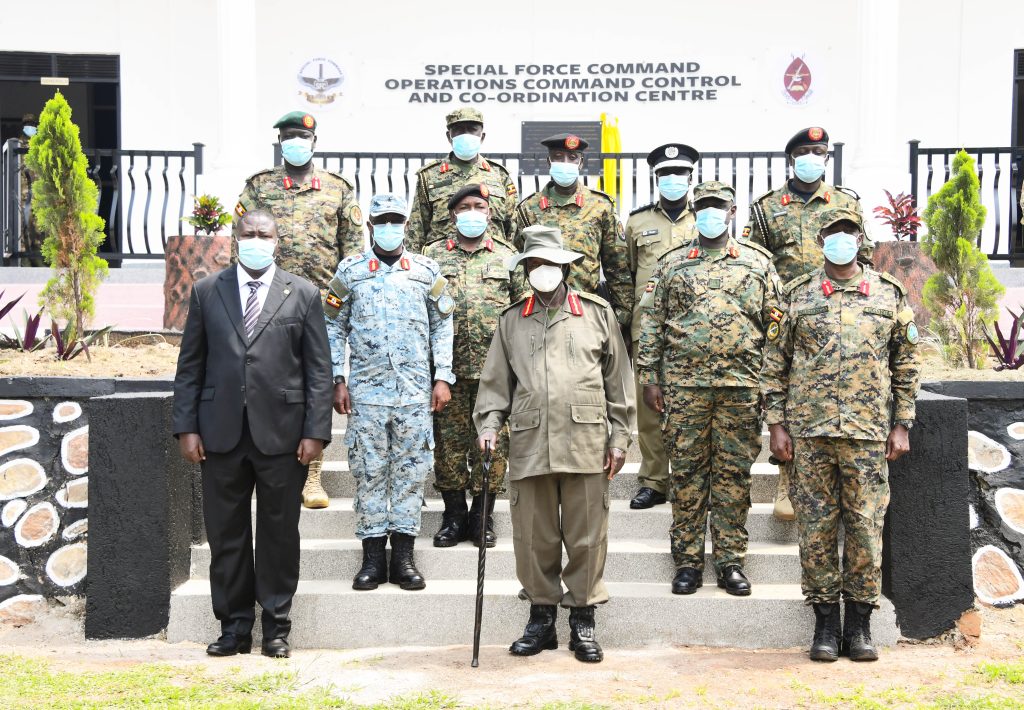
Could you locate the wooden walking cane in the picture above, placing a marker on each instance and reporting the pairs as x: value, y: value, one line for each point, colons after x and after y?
x: 485, y: 463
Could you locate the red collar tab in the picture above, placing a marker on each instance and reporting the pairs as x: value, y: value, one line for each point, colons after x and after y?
x: 405, y: 263
x: 786, y: 199
x: 489, y: 245
x: 575, y: 305
x: 374, y: 265
x: 827, y: 288
x: 544, y: 202
x: 693, y: 253
x: 485, y: 165
x: 315, y: 182
x: 287, y: 182
x: 828, y: 197
x: 864, y: 288
x: 445, y: 167
x: 579, y: 199
x: 734, y: 252
x: 528, y: 307
x: 450, y: 244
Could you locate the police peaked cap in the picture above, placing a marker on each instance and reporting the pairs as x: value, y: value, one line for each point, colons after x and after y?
x: 673, y: 155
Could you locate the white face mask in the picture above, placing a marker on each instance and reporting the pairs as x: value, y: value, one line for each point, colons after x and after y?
x: 546, y: 278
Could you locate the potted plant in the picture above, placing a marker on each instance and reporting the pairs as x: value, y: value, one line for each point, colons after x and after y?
x: 902, y: 256
x: 190, y: 257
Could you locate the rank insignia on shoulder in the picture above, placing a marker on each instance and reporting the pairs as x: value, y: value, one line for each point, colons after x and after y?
x: 528, y: 307
x: 734, y: 252
x: 489, y: 245
x: 693, y: 253
x: 828, y: 197
x: 746, y: 231
x: 405, y: 263
x: 240, y: 209
x: 445, y: 168
x: 544, y: 202
x: 913, y: 336
x: 315, y: 183
x: 450, y: 244
x: 575, y: 305
x: 776, y: 314
x: 864, y: 288
x: 373, y: 265
x: 579, y: 199
x: 773, y: 330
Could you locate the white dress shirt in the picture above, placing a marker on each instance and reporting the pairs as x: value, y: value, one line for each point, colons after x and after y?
x: 265, y: 280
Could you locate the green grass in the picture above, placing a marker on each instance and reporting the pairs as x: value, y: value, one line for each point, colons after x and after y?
x: 1011, y: 672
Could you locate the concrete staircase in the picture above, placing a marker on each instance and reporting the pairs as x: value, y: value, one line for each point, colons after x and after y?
x: 328, y: 613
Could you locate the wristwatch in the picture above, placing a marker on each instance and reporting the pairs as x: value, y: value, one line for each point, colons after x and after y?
x: 339, y: 379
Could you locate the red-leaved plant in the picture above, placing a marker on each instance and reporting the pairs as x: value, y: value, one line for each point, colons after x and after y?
x: 900, y: 216
x: 1007, y: 350
x: 69, y: 345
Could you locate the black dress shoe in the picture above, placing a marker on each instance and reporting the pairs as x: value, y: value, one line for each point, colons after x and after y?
x: 646, y: 498
x: 687, y: 581
x: 734, y: 582
x: 229, y: 645
x: 277, y: 648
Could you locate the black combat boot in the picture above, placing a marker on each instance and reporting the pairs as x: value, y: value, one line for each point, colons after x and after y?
x: 403, y: 570
x: 375, y: 566
x: 857, y: 632
x: 474, y: 521
x: 827, y: 630
x: 540, y: 632
x: 454, y: 525
x: 582, y: 640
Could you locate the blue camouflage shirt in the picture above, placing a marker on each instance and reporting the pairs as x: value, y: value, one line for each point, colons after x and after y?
x: 395, y: 320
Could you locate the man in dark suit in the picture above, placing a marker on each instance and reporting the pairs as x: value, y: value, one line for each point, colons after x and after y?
x: 252, y: 405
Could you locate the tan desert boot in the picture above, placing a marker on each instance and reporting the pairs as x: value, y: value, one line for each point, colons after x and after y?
x: 313, y: 493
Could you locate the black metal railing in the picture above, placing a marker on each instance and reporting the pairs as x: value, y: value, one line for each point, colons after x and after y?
x: 143, y: 196
x: 1000, y: 171
x: 750, y: 173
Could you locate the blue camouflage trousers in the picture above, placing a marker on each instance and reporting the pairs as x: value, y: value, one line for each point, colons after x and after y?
x: 390, y: 453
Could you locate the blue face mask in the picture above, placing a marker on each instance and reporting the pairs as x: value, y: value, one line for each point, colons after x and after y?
x: 255, y: 253
x: 809, y: 167
x: 388, y: 236
x: 565, y: 174
x: 297, y: 151
x: 673, y: 187
x: 711, y: 222
x: 29, y: 131
x: 471, y: 224
x: 841, y: 248
x: 466, y: 146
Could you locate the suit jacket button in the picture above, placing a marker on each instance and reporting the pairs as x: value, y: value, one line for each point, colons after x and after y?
x: 248, y: 361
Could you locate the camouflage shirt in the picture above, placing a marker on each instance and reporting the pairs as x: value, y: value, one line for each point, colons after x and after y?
x: 319, y: 222
x: 651, y: 233
x: 590, y: 227
x: 395, y: 320
x: 435, y: 184
x: 482, y: 288
x: 704, y: 316
x: 844, y: 364
x: 788, y: 227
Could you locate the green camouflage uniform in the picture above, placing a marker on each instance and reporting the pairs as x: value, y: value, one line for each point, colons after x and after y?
x: 839, y: 370
x: 435, y: 184
x: 788, y: 227
x: 590, y: 227
x: 650, y: 234
x: 704, y: 316
x: 319, y: 222
x: 482, y: 288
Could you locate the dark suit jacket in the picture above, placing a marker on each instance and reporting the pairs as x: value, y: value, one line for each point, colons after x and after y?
x: 283, y: 376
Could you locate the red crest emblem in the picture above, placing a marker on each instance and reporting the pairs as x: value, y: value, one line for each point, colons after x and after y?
x: 572, y: 142
x: 797, y: 79
x: 308, y: 121
x: 815, y: 133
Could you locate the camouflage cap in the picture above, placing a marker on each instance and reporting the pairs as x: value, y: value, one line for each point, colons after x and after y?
x: 713, y: 188
x: 388, y: 203
x: 839, y: 214
x: 815, y: 135
x: 464, y: 113
x: 543, y: 242
x: 297, y: 119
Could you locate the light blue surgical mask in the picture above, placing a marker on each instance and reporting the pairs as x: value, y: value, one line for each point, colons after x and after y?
x: 255, y: 253
x: 841, y: 248
x: 297, y: 151
x: 29, y: 131
x: 388, y: 236
x: 565, y: 174
x: 809, y: 167
x: 673, y: 187
x: 711, y: 222
x: 471, y: 224
x: 466, y: 146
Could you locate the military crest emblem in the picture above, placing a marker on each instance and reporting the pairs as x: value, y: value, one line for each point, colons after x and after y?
x: 320, y: 80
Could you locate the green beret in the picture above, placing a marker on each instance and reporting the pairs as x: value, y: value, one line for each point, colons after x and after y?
x: 297, y: 119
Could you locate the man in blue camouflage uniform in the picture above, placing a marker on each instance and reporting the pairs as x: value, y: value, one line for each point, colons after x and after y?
x: 392, y: 308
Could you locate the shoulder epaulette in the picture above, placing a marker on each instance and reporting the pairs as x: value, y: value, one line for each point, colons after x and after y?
x: 509, y: 307
x: 593, y: 297
x: 342, y: 178
x: 257, y: 174
x: 495, y: 164
x: 643, y: 208
x: 756, y: 247
x: 502, y: 242
x: 522, y: 202
x: 605, y: 195
x: 767, y: 194
x: 848, y: 191
x: 672, y: 253
x: 891, y: 279
x: 349, y: 261
x: 426, y: 261
x: 791, y: 285
x: 428, y: 166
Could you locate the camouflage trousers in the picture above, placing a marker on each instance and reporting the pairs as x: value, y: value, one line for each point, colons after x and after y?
x: 456, y: 436
x: 390, y: 453
x: 712, y: 436
x: 654, y: 464
x: 837, y: 479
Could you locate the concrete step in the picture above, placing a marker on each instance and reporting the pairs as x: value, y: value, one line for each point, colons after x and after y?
x: 329, y: 614
x: 338, y: 521
x: 338, y: 481
x: 628, y: 561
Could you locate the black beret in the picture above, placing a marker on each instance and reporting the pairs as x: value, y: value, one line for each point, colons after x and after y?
x: 565, y: 141
x: 474, y: 190
x: 815, y: 135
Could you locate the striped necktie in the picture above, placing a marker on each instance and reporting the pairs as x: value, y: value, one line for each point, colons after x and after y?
x: 252, y: 308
